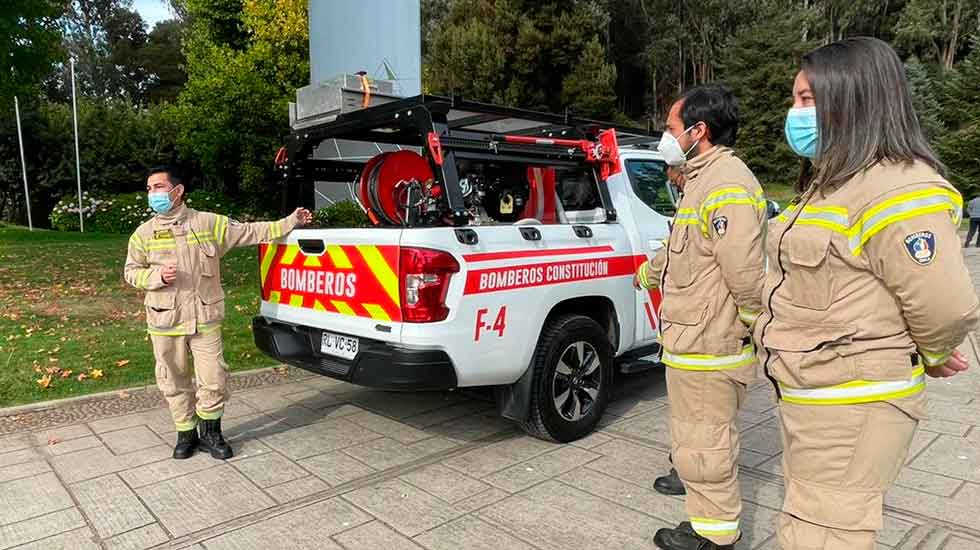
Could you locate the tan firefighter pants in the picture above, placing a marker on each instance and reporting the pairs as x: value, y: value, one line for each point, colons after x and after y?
x: 838, y: 462
x: 703, y: 408
x: 174, y: 378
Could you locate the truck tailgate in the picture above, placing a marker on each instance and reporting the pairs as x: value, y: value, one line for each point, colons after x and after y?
x: 340, y: 280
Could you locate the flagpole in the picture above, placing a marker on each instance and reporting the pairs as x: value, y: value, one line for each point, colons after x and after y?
x: 78, y: 168
x: 23, y: 165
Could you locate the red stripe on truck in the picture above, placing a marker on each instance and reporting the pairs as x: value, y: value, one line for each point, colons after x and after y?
x: 512, y: 254
x: 497, y: 279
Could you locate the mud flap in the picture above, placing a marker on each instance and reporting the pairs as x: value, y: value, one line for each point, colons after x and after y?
x: 514, y: 400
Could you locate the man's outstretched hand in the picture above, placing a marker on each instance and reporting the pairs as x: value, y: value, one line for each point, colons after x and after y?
x: 303, y: 217
x: 168, y: 273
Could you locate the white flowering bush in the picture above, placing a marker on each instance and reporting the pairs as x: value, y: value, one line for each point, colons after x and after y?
x: 64, y: 216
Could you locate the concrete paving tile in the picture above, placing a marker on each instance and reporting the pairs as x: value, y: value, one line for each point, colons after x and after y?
x: 484, y: 461
x: 28, y: 454
x: 138, y: 539
x: 163, y: 470
x: 24, y: 469
x: 372, y: 536
x: 628, y: 408
x: 97, y: 462
x: 552, y: 528
x: 131, y: 439
x: 323, y: 437
x: 761, y: 399
x: 269, y: 469
x: 64, y: 433
x: 37, y: 528
x: 472, y: 428
x: 957, y: 543
x: 894, y: 531
x: 408, y: 510
x: 295, y: 416
x: 263, y: 400
x: 764, y: 439
x: 387, y: 427
x: 203, y: 499
x: 480, y: 500
x: 403, y: 405
x: 16, y: 442
x: 945, y: 427
x: 920, y: 441
x: 32, y: 496
x: 235, y: 408
x: 940, y: 409
x: 79, y: 539
x: 446, y: 414
x: 592, y: 440
x: 951, y: 456
x: 747, y: 419
x: 668, y: 510
x: 631, y: 462
x: 252, y: 426
x: 111, y: 506
x: 313, y: 399
x: 385, y: 453
x: 582, y: 507
x: 758, y: 523
x: 931, y: 483
x: 336, y: 468
x: 158, y: 418
x: 961, y: 510
x: 447, y: 484
x: 246, y: 448
x: 654, y: 426
x: 772, y: 466
x: 308, y: 528
x: 471, y: 533
x: 297, y: 489
x: 72, y: 445
x: 540, y: 468
x: 751, y: 458
x: 767, y: 494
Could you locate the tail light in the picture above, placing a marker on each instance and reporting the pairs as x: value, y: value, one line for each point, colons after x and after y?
x: 425, y: 277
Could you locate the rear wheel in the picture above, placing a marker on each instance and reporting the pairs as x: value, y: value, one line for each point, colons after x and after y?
x: 572, y: 376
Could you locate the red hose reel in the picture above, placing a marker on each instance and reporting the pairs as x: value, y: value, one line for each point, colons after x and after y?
x: 385, y: 184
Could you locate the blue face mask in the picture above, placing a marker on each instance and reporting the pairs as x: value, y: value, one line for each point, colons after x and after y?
x: 801, y: 131
x: 160, y: 202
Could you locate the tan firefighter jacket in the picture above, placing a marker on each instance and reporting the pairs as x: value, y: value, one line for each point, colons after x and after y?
x: 195, y: 242
x: 712, y: 268
x: 866, y: 285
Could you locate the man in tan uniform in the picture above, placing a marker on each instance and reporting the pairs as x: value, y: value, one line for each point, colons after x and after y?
x: 713, y: 269
x: 175, y: 258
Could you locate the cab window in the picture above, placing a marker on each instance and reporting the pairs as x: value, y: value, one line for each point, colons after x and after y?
x: 649, y: 180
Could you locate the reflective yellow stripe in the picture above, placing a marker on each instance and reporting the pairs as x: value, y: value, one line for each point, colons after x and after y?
x: 175, y: 331
x: 903, y: 207
x: 200, y: 237
x: 707, y: 527
x: 857, y: 391
x: 275, y: 297
x: 317, y: 306
x: 136, y: 242
x: 704, y: 362
x: 142, y: 276
x: 382, y: 271
x: 746, y: 316
x: 270, y: 253
x: 161, y: 244
x: 221, y: 229
x: 296, y: 300
x: 642, y: 273
x: 338, y: 257
x: 205, y: 328
x: 311, y: 261
x: 687, y: 216
x: 933, y: 359
x: 210, y: 415
x: 342, y: 307
x: 376, y: 312
x: 186, y: 425
x: 275, y: 230
x: 728, y: 196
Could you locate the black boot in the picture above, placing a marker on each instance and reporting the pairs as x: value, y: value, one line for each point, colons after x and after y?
x: 186, y: 444
x: 669, y: 484
x: 212, y: 440
x: 683, y: 537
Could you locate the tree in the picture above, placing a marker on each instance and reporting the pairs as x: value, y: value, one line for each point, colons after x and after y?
x: 589, y: 90
x: 960, y: 149
x: 962, y: 89
x: 926, y: 100
x: 29, y: 46
x: 937, y: 28
x: 232, y: 113
x: 163, y: 60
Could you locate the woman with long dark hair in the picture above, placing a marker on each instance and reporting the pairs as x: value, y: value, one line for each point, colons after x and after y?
x: 866, y: 293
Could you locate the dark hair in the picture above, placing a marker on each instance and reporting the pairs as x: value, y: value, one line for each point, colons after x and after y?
x: 865, y: 113
x: 714, y: 105
x: 172, y: 172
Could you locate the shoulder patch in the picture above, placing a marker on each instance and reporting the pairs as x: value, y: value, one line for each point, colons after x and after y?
x: 921, y: 247
x: 720, y: 224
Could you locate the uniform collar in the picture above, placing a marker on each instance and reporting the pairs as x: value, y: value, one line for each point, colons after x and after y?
x: 697, y: 165
x: 176, y: 215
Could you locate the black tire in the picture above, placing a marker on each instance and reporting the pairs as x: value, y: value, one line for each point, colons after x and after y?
x: 588, y: 382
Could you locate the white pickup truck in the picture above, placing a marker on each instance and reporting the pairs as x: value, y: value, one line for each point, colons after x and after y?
x: 503, y: 252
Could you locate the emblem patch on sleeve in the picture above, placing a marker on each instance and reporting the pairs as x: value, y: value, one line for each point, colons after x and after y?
x: 921, y: 247
x: 721, y: 224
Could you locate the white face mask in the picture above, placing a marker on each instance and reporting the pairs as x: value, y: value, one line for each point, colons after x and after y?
x: 670, y: 148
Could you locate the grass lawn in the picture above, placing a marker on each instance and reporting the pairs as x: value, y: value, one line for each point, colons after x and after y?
x: 65, y: 310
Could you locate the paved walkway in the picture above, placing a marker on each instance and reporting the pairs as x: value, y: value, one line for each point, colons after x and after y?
x: 323, y: 464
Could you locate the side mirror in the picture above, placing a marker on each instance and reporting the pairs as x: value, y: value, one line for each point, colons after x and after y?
x: 772, y: 207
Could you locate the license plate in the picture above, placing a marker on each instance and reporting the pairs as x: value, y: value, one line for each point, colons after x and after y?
x: 339, y: 346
